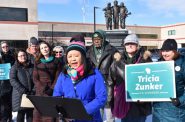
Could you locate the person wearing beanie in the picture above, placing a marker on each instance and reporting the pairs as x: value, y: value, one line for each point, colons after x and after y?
x: 101, y: 54
x: 132, y: 38
x: 34, y: 41
x: 132, y: 54
x: 173, y: 111
x: 98, y: 39
x: 169, y: 44
x: 77, y: 45
x: 80, y: 80
x: 32, y: 49
x: 78, y: 37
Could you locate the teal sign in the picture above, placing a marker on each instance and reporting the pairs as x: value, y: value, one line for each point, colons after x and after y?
x: 150, y: 81
x: 4, y: 71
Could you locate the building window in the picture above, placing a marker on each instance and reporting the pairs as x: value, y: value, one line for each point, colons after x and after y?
x: 13, y: 14
x: 17, y: 44
x: 148, y: 36
x: 183, y: 44
x: 63, y: 34
x: 171, y: 32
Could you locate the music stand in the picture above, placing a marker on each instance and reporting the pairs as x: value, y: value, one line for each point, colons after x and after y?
x: 60, y: 107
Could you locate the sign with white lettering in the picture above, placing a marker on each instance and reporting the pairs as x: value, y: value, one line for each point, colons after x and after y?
x: 150, y: 81
x: 5, y: 71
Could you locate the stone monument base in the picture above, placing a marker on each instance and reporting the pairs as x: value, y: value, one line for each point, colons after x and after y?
x: 116, y: 37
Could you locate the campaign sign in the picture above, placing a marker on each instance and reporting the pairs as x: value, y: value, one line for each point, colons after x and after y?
x: 150, y: 81
x: 4, y: 71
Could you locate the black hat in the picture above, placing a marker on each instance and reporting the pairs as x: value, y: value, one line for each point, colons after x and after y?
x: 78, y: 37
x: 34, y: 41
x: 169, y: 44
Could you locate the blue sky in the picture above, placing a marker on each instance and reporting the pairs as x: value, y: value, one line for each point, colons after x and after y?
x: 144, y: 12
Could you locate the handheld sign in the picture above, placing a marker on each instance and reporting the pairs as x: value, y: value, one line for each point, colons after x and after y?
x: 150, y: 81
x: 4, y: 71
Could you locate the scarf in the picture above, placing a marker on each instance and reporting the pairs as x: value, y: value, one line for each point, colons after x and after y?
x: 135, y: 59
x: 75, y: 74
x: 98, y: 53
x: 43, y: 60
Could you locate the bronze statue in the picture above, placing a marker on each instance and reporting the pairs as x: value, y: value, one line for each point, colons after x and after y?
x: 123, y: 14
x: 108, y: 16
x: 116, y: 11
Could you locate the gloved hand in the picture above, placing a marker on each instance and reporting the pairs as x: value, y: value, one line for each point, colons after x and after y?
x: 138, y: 101
x: 30, y: 93
x: 175, y: 101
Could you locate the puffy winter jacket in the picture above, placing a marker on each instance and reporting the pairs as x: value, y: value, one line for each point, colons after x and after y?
x: 166, y: 111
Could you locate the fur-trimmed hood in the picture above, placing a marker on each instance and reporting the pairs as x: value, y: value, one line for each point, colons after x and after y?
x: 145, y: 55
x: 28, y: 50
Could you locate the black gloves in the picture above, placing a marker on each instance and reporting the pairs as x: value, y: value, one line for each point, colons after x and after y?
x: 30, y: 92
x: 48, y: 91
x: 175, y: 101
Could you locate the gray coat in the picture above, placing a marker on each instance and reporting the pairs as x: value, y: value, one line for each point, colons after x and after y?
x: 22, y: 82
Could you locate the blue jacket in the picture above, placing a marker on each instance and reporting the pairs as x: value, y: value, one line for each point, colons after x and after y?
x: 90, y: 90
x: 166, y: 111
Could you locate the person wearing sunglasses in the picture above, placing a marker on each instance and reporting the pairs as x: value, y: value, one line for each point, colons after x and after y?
x: 7, y: 56
x: 59, y: 53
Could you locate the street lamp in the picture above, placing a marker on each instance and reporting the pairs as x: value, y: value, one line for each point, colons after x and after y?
x: 52, y: 32
x: 95, y: 17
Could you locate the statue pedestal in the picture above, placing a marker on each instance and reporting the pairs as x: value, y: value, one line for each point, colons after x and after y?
x: 116, y: 37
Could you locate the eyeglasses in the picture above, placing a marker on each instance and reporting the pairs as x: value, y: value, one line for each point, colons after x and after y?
x: 4, y: 46
x: 59, y: 52
x: 22, y: 56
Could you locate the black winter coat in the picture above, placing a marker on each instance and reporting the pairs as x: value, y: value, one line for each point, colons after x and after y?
x: 104, y: 65
x: 117, y: 71
x: 31, y: 58
x: 5, y: 86
x: 22, y: 82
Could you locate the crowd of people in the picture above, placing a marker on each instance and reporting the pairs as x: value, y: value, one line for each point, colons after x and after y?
x: 96, y: 76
